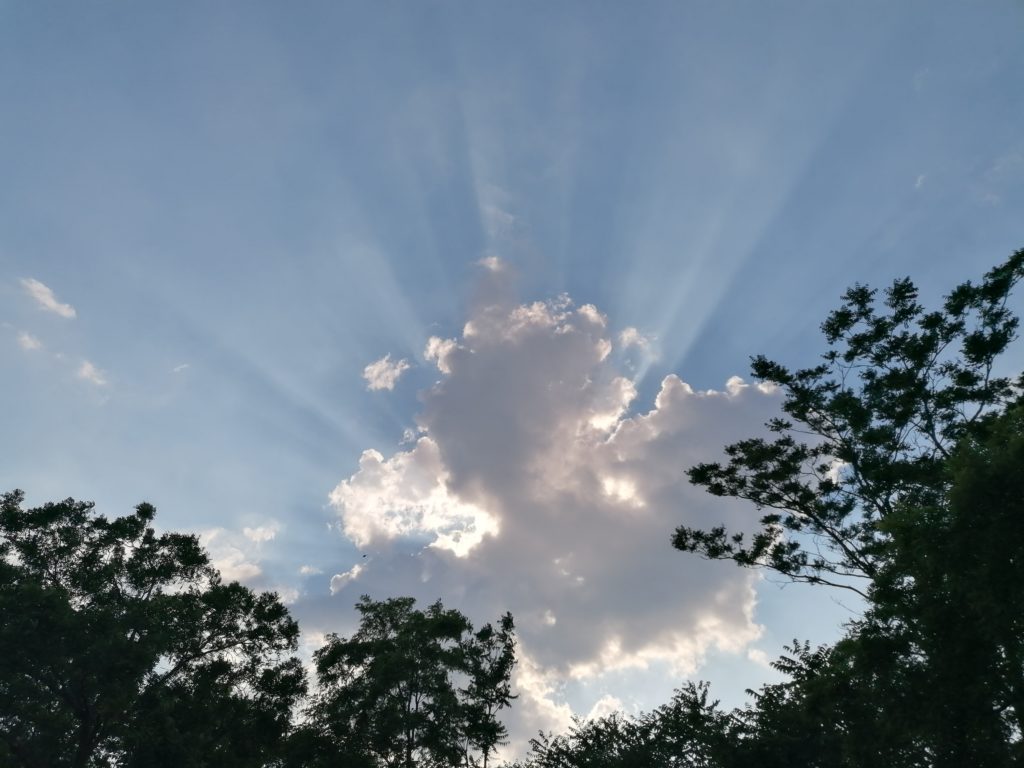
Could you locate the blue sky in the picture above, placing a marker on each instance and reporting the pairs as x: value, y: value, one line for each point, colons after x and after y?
x: 246, y: 204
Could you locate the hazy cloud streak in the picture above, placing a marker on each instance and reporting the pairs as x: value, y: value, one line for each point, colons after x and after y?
x: 44, y: 297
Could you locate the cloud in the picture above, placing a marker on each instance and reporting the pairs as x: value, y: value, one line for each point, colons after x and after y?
x: 759, y: 657
x: 180, y: 368
x: 45, y: 299
x: 605, y: 706
x: 405, y: 496
x: 631, y: 337
x: 230, y: 554
x: 29, y: 342
x: 384, y: 373
x: 537, y: 487
x: 309, y: 570
x: 497, y: 223
x: 237, y: 554
x: 89, y: 372
x: 920, y: 181
x: 288, y: 595
x: 340, y: 580
x: 261, y: 533
x: 437, y: 352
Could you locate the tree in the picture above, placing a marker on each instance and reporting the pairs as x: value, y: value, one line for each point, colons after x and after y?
x: 952, y: 592
x: 896, y: 394
x: 688, y: 732
x: 897, y: 475
x: 409, y: 688
x: 120, y: 646
x: 489, y: 659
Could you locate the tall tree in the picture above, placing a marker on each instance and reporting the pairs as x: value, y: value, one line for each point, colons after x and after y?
x: 489, y: 659
x: 410, y: 688
x: 869, y: 429
x: 896, y: 475
x: 120, y: 646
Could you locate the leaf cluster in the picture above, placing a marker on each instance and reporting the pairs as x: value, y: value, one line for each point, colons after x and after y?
x: 121, y: 646
x: 867, y: 430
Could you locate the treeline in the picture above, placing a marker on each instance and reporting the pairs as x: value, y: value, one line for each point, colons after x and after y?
x: 897, y: 472
x: 122, y: 647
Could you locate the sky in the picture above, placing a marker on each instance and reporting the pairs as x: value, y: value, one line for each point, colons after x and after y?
x: 441, y: 299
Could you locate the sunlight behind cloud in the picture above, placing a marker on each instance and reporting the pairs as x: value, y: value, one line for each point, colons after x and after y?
x: 534, y: 487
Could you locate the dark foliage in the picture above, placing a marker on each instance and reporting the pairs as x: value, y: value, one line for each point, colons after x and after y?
x: 410, y: 688
x: 119, y: 646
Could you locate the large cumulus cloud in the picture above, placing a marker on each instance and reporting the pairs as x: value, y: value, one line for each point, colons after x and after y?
x: 537, y: 486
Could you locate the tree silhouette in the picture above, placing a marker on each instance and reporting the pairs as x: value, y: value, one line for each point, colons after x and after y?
x: 119, y: 646
x: 869, y: 429
x: 409, y: 688
x: 897, y: 475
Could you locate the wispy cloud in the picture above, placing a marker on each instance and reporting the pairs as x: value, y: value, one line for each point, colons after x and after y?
x: 260, y: 533
x: 180, y: 368
x: 384, y: 373
x: 1006, y: 174
x: 492, y: 263
x: 44, y: 297
x: 29, y: 342
x: 89, y: 372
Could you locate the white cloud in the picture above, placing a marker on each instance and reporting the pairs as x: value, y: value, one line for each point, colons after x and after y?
x: 89, y: 372
x: 29, y: 342
x: 920, y: 181
x: 261, y: 533
x: 180, y: 368
x: 590, y: 312
x: 407, y: 495
x: 288, y: 595
x: 384, y: 373
x: 438, y: 350
x: 535, y: 489
x: 340, y: 580
x: 631, y: 337
x: 309, y: 570
x: 537, y: 708
x: 228, y: 554
x: 44, y: 297
x: 605, y: 706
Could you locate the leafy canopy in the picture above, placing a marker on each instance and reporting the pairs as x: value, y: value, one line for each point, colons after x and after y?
x: 410, y: 688
x: 868, y: 429
x: 121, y: 646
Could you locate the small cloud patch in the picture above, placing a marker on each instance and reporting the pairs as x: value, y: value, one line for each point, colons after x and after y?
x: 384, y: 373
x: 90, y: 373
x: 45, y: 298
x: 29, y: 342
x: 261, y: 533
